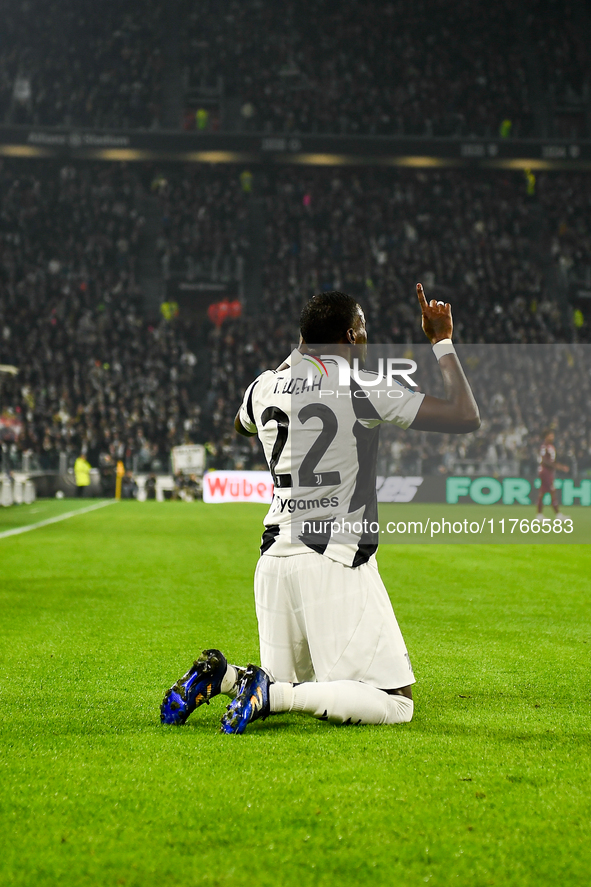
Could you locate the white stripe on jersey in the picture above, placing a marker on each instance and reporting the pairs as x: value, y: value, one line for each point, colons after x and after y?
x: 320, y: 442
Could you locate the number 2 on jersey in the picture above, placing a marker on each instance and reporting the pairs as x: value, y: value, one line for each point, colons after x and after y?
x: 307, y: 476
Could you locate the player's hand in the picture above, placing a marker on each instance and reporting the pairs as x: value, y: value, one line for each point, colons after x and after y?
x: 437, y: 320
x: 562, y: 467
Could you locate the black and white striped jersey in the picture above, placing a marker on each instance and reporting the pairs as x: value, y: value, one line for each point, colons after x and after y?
x: 319, y: 427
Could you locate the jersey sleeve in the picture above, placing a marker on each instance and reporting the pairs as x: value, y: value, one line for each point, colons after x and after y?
x: 396, y: 405
x: 246, y: 412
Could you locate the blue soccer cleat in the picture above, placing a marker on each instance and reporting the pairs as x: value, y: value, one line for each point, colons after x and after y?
x: 251, y: 703
x: 202, y: 682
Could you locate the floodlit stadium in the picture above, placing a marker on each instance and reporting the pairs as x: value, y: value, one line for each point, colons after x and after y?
x: 295, y: 480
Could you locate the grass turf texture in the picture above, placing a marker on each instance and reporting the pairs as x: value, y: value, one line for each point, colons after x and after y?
x: 41, y: 510
x: 99, y: 615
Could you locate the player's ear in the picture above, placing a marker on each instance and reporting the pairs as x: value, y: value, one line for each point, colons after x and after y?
x: 351, y: 337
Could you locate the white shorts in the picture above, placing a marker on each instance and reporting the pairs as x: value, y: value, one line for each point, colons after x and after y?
x: 322, y: 621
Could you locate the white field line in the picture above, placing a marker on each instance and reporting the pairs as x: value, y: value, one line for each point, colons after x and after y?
x: 54, y: 520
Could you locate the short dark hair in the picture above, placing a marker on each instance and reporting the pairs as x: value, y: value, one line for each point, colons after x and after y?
x: 327, y: 317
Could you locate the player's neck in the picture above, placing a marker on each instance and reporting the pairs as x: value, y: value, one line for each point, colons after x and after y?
x: 336, y: 348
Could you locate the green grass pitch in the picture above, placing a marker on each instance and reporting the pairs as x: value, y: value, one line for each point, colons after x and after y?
x: 99, y: 614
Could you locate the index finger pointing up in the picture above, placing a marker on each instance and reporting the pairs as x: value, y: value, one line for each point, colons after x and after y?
x: 421, y: 297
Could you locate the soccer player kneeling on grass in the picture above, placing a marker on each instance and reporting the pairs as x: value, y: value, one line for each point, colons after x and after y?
x: 329, y: 640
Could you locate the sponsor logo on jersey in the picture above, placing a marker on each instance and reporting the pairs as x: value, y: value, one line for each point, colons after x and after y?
x: 292, y: 505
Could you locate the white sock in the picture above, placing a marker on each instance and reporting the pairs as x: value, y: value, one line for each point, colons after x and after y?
x: 280, y: 697
x: 342, y: 702
x: 229, y: 682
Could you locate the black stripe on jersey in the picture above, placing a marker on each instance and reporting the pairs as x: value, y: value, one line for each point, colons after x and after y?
x: 367, y: 440
x: 317, y: 541
x: 364, y: 552
x: 249, y: 408
x: 269, y: 537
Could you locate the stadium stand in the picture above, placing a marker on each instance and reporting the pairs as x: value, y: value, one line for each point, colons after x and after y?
x: 101, y: 374
x: 203, y: 217
x: 506, y: 255
x: 372, y: 68
x: 101, y: 66
x: 560, y: 33
x: 94, y: 373
x: 365, y: 72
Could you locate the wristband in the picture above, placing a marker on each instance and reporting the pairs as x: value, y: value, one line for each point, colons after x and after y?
x: 445, y: 346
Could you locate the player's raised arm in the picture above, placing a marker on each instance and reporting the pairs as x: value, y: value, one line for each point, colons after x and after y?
x: 457, y: 412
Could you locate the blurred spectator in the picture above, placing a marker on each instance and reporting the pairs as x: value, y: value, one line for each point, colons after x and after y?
x: 129, y: 486
x: 191, y: 488
x: 185, y: 487
x: 201, y: 119
x: 246, y: 181
x: 82, y: 474
x: 179, y: 482
x: 169, y: 310
x: 107, y: 468
x: 151, y: 486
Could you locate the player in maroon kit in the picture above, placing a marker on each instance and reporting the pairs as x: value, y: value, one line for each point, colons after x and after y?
x: 548, y: 468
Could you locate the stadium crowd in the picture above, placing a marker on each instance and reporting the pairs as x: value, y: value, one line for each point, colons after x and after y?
x: 203, y: 222
x: 98, y: 375
x: 94, y: 376
x: 560, y: 38
x: 505, y: 258
x: 372, y: 68
x: 82, y: 64
x: 522, y: 391
x: 365, y: 71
